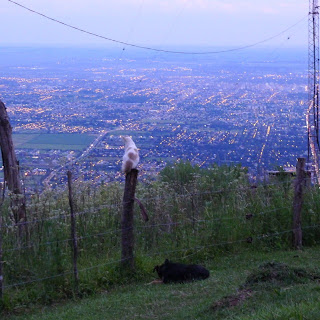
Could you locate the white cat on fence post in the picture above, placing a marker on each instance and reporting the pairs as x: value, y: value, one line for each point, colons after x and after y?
x: 131, y: 155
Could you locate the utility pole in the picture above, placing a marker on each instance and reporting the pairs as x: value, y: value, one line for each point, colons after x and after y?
x: 312, y: 117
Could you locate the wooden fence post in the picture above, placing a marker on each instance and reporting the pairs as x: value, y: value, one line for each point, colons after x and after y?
x: 297, y: 203
x: 73, y: 235
x: 127, y: 238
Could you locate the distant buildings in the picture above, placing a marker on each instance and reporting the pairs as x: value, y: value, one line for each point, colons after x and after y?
x: 177, y: 110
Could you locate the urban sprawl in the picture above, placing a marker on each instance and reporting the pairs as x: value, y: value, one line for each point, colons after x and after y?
x: 70, y: 112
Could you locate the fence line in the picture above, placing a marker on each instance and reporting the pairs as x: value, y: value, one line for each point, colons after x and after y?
x: 119, y: 205
x: 64, y: 216
x: 226, y: 189
x: 245, y: 240
x: 82, y: 213
x: 190, y: 220
x: 59, y: 275
x: 186, y: 196
x: 252, y: 186
x: 93, y: 211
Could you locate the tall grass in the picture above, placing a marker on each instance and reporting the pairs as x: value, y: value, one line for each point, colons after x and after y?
x: 194, y: 214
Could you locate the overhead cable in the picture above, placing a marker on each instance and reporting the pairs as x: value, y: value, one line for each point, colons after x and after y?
x: 152, y: 48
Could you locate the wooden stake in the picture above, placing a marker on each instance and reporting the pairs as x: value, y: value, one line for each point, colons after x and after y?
x: 127, y: 238
x: 297, y: 203
x: 142, y: 209
x: 73, y: 235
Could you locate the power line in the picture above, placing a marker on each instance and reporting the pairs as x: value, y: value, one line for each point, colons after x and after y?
x: 151, y: 48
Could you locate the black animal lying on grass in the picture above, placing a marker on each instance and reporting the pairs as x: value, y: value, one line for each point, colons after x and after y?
x: 178, y: 272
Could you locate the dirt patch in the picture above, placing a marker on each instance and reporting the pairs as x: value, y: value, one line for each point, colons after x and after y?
x: 267, y: 276
x: 233, y: 300
x: 274, y: 274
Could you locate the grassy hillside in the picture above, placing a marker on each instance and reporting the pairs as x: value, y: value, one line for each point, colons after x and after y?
x: 287, y: 298
x: 195, y: 216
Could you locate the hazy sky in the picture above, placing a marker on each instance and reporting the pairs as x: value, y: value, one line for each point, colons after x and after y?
x: 156, y: 22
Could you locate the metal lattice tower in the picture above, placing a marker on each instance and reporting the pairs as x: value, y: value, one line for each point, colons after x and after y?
x: 313, y: 88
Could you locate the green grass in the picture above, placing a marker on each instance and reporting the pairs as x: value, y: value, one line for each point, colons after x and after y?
x: 62, y: 141
x: 195, y: 300
x: 195, y: 216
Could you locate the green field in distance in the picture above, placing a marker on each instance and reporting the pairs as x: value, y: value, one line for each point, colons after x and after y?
x: 62, y: 141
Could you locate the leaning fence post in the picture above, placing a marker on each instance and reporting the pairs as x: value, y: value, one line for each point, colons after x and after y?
x: 127, y: 238
x: 297, y: 203
x: 73, y: 234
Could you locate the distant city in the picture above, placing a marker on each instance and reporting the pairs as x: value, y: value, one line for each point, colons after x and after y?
x: 68, y: 108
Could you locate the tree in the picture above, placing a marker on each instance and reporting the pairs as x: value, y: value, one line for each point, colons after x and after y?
x: 11, y: 167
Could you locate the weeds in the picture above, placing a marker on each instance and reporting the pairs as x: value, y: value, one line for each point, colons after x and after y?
x: 195, y: 214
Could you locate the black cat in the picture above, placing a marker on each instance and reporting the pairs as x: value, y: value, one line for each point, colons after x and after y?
x: 179, y: 272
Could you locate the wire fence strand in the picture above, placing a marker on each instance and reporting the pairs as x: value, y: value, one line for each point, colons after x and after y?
x: 259, y: 237
x: 119, y: 206
x: 243, y: 217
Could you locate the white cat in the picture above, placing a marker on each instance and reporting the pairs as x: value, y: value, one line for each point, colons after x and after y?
x: 131, y: 155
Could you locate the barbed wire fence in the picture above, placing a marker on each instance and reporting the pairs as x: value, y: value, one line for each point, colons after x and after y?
x: 249, y: 240
x: 96, y: 210
x: 246, y: 227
